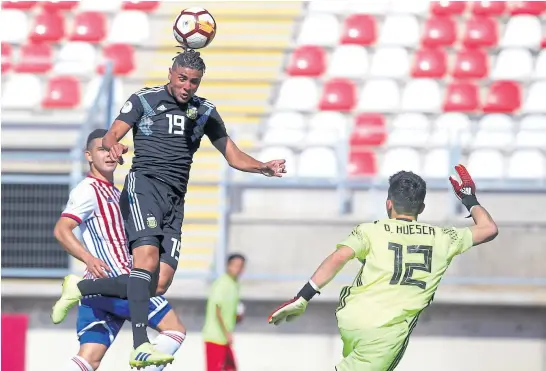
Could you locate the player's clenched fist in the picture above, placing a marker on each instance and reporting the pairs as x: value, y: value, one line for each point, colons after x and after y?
x: 465, y: 189
x: 116, y: 151
x: 274, y: 168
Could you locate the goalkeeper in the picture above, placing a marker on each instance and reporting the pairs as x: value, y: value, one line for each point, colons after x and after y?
x: 403, y: 262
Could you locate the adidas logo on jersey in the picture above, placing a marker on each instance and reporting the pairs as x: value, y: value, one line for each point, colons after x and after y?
x: 161, y: 108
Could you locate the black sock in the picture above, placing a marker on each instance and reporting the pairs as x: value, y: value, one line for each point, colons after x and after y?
x: 115, y: 287
x: 154, y: 282
x: 138, y: 292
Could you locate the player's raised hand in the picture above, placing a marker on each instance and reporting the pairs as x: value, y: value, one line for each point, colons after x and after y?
x: 274, y: 168
x: 466, y: 187
x: 97, y: 267
x: 288, y: 311
x: 116, y: 151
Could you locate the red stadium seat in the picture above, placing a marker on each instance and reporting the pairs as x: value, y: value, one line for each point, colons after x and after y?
x: 471, y: 64
x: 489, y: 8
x: 429, y: 63
x: 439, y: 31
x: 447, y: 7
x: 22, y: 5
x: 48, y: 27
x: 59, y: 5
x: 307, y: 60
x: 481, y: 31
x: 338, y: 95
x: 528, y: 7
x: 35, y: 58
x: 461, y: 96
x: 89, y: 27
x: 369, y: 130
x: 143, y: 6
x: 62, y: 92
x: 362, y: 163
x: 7, y: 54
x: 503, y: 97
x: 359, y: 29
x: 123, y: 57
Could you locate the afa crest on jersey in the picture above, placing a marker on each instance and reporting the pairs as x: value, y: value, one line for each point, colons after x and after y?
x: 191, y: 113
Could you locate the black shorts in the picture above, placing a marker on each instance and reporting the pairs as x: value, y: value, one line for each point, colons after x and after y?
x: 151, y: 208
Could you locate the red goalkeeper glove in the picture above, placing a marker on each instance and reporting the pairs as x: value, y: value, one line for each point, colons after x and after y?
x: 294, y: 308
x: 465, y: 190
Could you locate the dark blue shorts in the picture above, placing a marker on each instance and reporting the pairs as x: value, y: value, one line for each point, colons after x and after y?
x: 100, y: 318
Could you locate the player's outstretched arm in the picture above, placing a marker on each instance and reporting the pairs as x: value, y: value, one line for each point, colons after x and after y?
x: 485, y: 228
x: 239, y: 160
x: 327, y: 270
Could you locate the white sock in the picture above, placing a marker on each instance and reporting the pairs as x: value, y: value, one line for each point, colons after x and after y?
x: 166, y: 342
x: 77, y: 363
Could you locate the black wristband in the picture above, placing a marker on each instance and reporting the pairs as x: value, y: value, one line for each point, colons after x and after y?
x: 307, y: 292
x: 469, y: 201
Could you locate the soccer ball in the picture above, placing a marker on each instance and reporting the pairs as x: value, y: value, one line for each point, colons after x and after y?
x: 194, y: 28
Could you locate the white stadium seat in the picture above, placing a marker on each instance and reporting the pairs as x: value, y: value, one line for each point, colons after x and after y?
x: 397, y: 159
x: 283, y: 136
x: 379, y: 96
x: 533, y: 122
x: 328, y: 6
x: 416, y: 7
x: 540, y: 66
x: 507, y: 59
x: 496, y: 122
x: 453, y: 121
x: 100, y: 6
x: 416, y: 121
x: 400, y: 30
x: 349, y: 61
x: 527, y: 164
x: 535, y: 99
x: 522, y: 31
x: 298, y: 94
x: 14, y: 26
x: 319, y: 29
x: 377, y: 7
x: 531, y: 139
x: 422, y: 95
x: 323, y: 136
x: 318, y: 162
x: 451, y: 137
x: 486, y: 164
x: 436, y: 164
x: 92, y: 89
x: 408, y: 137
x: 268, y: 153
x: 330, y: 120
x: 493, y: 139
x: 123, y: 28
x: 28, y: 98
x: 76, y: 58
x: 294, y: 120
x: 390, y: 62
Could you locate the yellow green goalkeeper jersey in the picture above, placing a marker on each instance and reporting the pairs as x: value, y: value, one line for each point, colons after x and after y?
x: 403, y: 262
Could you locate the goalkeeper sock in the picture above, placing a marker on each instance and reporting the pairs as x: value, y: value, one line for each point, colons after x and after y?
x: 77, y: 363
x: 115, y: 287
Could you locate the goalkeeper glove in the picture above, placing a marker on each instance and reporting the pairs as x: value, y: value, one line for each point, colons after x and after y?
x: 294, y: 308
x: 465, y: 190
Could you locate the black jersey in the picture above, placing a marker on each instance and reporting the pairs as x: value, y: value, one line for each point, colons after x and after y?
x: 167, y: 134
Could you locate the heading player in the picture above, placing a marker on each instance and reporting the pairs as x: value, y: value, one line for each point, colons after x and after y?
x: 168, y: 123
x: 403, y: 262
x: 93, y: 207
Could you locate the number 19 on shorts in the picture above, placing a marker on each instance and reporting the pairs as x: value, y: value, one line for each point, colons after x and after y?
x: 175, y: 251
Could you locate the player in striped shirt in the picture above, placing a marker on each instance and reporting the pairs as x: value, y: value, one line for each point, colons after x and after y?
x: 94, y: 208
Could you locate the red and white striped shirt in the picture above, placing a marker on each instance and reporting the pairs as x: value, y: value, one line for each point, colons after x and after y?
x: 94, y: 204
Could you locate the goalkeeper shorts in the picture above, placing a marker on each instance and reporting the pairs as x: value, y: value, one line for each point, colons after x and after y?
x: 374, y: 349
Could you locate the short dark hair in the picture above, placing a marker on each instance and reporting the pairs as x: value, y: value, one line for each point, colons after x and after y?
x: 95, y: 134
x: 234, y: 256
x: 189, y: 58
x: 407, y: 192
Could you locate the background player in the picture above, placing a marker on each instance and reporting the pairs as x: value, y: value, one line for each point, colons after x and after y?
x: 93, y: 207
x: 221, y: 316
x: 168, y: 123
x: 403, y: 262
